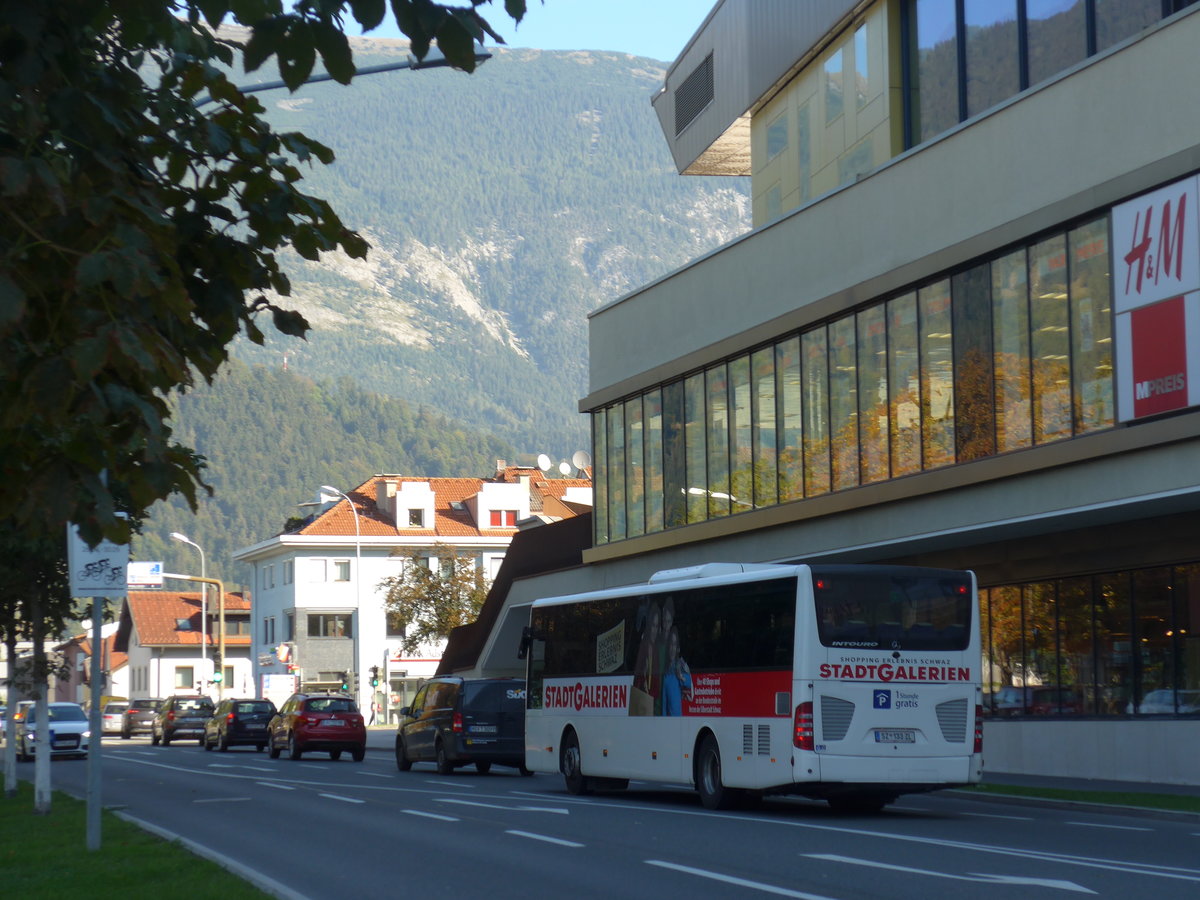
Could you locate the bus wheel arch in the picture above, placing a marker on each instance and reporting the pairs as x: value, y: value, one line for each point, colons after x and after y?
x: 570, y: 763
x: 707, y: 773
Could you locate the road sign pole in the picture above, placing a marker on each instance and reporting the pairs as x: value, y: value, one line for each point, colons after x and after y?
x: 96, y: 726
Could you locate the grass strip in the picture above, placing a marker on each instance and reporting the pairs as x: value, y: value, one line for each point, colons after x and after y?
x: 47, y: 856
x: 1171, y: 802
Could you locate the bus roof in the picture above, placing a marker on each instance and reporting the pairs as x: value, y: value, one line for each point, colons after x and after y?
x: 664, y: 580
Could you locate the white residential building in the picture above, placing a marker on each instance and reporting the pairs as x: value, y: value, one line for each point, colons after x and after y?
x: 318, y: 609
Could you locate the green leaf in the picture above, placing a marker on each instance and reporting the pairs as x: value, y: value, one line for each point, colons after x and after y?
x: 368, y: 13
x: 288, y: 321
x: 264, y: 42
x: 12, y: 300
x: 335, y: 51
x: 214, y: 11
x: 297, y: 54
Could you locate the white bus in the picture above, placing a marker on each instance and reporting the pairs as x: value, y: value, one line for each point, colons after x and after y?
x: 853, y: 684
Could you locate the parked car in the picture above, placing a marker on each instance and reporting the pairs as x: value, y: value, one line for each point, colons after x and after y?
x: 329, y: 722
x: 1049, y: 700
x: 237, y: 722
x: 1012, y: 700
x: 113, y: 716
x: 1162, y: 702
x: 69, y: 731
x: 461, y: 721
x: 139, y: 717
x: 180, y: 717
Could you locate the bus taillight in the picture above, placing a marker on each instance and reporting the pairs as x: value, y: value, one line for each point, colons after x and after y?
x: 803, y: 738
x: 978, y: 729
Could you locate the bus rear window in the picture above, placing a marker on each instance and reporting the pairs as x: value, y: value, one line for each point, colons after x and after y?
x: 924, y: 610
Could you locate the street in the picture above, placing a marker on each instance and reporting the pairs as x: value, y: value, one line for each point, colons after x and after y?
x: 323, y: 829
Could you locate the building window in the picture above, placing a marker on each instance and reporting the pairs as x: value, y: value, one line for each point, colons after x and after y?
x: 237, y: 626
x: 394, y: 627
x: 330, y: 625
x: 777, y: 136
x: 289, y: 572
x: 503, y: 518
x: 416, y: 518
x: 289, y: 627
x: 185, y: 678
x: 269, y: 630
x: 341, y: 570
x: 833, y: 87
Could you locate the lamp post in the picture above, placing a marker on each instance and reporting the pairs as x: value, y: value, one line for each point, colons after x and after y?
x: 329, y: 489
x: 183, y: 539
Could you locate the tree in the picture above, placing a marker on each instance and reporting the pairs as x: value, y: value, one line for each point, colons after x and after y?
x: 428, y: 603
x: 141, y: 228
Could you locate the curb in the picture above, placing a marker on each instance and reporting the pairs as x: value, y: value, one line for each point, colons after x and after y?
x: 1145, y: 812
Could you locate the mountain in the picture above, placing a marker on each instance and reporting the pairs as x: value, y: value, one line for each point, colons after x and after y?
x: 502, y: 207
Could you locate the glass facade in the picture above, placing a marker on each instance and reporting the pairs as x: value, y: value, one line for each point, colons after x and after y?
x: 1011, y: 352
x: 967, y: 56
x: 1113, y: 644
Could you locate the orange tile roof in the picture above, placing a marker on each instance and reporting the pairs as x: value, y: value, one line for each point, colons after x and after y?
x: 155, y: 614
x: 448, y: 522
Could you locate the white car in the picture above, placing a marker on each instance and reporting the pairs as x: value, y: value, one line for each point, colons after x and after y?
x: 1162, y: 702
x: 110, y: 718
x: 69, y: 732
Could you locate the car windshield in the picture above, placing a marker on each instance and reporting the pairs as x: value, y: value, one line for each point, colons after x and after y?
x: 330, y: 704
x: 70, y: 713
x: 185, y: 706
x: 115, y: 707
x: 146, y: 705
x: 253, y: 706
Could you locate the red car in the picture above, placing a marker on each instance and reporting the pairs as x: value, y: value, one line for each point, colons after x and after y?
x: 327, y: 722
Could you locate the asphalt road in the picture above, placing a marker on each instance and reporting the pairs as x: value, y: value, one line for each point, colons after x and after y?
x: 321, y: 829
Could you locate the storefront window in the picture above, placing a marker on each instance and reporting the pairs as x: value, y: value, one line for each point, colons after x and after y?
x: 935, y: 105
x: 601, y: 475
x: 974, y: 421
x: 1153, y: 638
x: 694, y: 451
x: 653, y: 414
x: 1010, y: 349
x: 873, y: 393
x: 635, y: 485
x: 674, y: 456
x: 1050, y: 341
x: 993, y: 58
x: 843, y: 403
x: 815, y: 351
x: 765, y: 432
x: 1091, y: 327
x: 1056, y: 36
x: 616, y: 465
x: 904, y: 390
x: 792, y: 435
x: 741, y: 450
x: 937, y: 375
x: 1114, y: 656
x: 717, y: 398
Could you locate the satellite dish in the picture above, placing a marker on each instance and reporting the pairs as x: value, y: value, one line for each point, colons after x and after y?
x: 564, y: 467
x: 544, y: 462
x: 582, y: 459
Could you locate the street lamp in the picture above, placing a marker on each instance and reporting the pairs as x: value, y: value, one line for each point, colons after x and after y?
x: 329, y: 489
x: 183, y: 539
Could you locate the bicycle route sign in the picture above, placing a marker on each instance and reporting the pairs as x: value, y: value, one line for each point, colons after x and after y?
x: 96, y: 571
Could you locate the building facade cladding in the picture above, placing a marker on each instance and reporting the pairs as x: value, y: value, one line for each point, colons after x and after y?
x: 934, y: 361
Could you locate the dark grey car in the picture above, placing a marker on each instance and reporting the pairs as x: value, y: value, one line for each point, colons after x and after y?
x: 237, y: 722
x: 139, y: 718
x: 462, y: 721
x: 180, y: 717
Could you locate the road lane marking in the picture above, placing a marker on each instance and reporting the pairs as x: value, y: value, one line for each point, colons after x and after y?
x: 312, y: 766
x: 1113, y: 827
x: 740, y: 882
x: 429, y: 815
x: 343, y: 799
x: 972, y: 876
x: 221, y: 799
x: 543, y: 837
x: 372, y: 774
x: 457, y: 784
x: 278, y: 787
x: 994, y: 816
x: 549, y: 809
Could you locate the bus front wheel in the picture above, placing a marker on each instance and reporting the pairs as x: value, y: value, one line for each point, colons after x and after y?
x: 713, y: 793
x: 571, y: 764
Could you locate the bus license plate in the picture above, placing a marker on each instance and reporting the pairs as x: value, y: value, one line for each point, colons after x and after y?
x: 894, y: 736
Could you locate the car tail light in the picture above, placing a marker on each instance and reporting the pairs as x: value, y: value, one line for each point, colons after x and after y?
x: 803, y: 738
x: 171, y: 716
x: 310, y: 720
x: 978, y: 729
x: 458, y: 723
x: 230, y: 718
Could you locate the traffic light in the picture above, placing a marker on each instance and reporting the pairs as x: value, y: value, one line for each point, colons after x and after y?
x: 217, y: 677
x: 218, y: 669
x: 374, y: 676
x: 345, y: 681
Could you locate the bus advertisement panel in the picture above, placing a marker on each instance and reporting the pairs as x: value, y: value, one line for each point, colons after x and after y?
x: 850, y: 683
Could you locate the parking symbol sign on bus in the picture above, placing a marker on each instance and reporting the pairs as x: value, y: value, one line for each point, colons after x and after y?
x: 883, y: 699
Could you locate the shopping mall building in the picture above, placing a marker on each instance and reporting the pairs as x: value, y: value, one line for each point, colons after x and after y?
x: 964, y: 332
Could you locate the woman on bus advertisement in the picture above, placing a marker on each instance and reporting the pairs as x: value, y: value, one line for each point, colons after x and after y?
x: 647, y: 672
x: 677, y: 678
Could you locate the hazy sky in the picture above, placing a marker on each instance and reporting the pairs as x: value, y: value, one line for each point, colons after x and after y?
x: 655, y: 28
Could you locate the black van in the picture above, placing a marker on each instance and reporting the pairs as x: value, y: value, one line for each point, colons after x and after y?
x: 459, y: 721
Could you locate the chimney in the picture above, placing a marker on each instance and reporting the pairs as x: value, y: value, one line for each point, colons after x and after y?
x: 385, y: 490
x: 501, y: 465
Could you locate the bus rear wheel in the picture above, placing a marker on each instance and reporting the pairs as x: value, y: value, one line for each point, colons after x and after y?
x: 713, y: 793
x: 571, y: 764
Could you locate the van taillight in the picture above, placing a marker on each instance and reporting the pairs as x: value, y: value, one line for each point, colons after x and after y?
x: 457, y: 725
x: 803, y: 738
x: 978, y: 729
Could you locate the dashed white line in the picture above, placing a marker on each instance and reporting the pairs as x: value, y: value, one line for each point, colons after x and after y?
x: 373, y: 775
x: 429, y: 815
x: 740, y: 882
x: 543, y: 837
x: 1113, y: 827
x: 343, y: 799
x: 220, y: 799
x: 278, y: 787
x: 994, y: 816
x: 458, y: 784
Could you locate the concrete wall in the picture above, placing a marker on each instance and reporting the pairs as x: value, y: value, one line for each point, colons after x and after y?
x: 1150, y: 751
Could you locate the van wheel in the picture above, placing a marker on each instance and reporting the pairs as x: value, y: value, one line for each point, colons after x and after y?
x: 713, y: 793
x: 571, y: 765
x: 403, y: 763
x: 443, y: 763
x: 483, y: 767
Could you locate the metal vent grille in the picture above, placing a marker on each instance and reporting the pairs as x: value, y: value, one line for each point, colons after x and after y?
x: 695, y: 93
x: 747, y: 740
x: 835, y: 718
x: 952, y: 718
x: 764, y: 740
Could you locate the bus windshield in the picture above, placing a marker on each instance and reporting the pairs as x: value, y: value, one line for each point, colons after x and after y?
x: 922, y: 609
